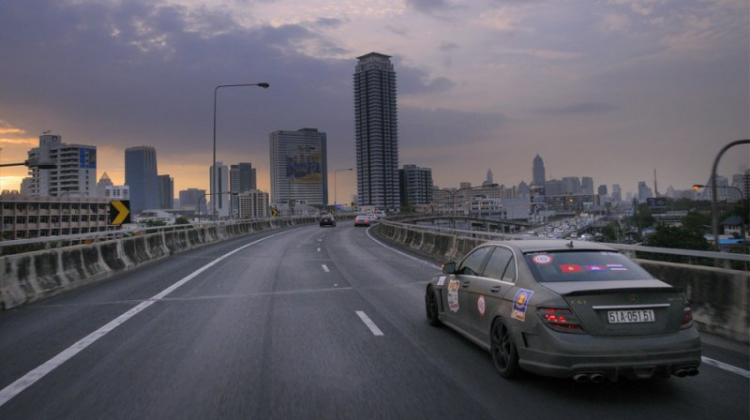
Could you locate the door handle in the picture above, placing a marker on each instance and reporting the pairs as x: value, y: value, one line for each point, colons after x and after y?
x: 495, y: 289
x: 465, y: 284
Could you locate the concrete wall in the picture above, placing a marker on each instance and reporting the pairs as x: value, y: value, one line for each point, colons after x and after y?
x: 32, y: 276
x: 719, y: 298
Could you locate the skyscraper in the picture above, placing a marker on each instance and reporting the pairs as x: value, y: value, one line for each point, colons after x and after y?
x: 75, y: 174
x: 219, y: 178
x: 242, y: 177
x: 141, y: 177
x: 376, y: 131
x: 166, y: 192
x: 416, y: 185
x: 299, y: 169
x: 489, y: 180
x: 538, y: 175
x: 587, y: 185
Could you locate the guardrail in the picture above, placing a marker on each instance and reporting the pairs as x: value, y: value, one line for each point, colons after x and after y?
x: 474, y: 234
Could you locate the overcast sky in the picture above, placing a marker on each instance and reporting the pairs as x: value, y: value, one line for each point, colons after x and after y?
x: 605, y: 88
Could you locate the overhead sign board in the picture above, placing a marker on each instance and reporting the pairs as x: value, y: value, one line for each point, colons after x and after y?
x: 119, y: 212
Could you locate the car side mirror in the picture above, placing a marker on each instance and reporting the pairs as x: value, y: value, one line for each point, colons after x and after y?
x: 449, y: 267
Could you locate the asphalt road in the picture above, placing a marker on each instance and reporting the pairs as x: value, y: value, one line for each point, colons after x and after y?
x: 306, y: 323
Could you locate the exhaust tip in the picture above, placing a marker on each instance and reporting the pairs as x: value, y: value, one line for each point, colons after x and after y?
x: 681, y: 373
x: 693, y: 372
x: 581, y: 378
x: 597, y: 378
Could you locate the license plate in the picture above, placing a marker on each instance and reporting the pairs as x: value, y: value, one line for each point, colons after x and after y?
x: 631, y: 317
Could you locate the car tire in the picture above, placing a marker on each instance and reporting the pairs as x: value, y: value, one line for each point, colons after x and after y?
x: 503, y: 350
x: 431, y: 307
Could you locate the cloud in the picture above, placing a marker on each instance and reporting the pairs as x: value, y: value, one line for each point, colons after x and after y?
x: 30, y: 141
x: 445, y: 127
x: 579, y: 109
x: 429, y: 6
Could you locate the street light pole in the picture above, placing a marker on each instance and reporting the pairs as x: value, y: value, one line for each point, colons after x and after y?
x: 213, y: 167
x: 745, y: 210
x: 335, y: 185
x: 714, y: 199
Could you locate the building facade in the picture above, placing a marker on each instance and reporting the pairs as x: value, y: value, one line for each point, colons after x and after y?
x: 75, y: 174
x: 538, y: 174
x: 219, y: 178
x: 117, y: 192
x: 194, y: 199
x: 24, y: 217
x: 141, y: 176
x: 415, y: 184
x: 166, y: 192
x: 253, y: 204
x: 376, y: 132
x: 299, y: 167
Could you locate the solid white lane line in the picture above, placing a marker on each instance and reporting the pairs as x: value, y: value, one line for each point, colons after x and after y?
x: 32, y: 377
x: 325, y: 268
x: 724, y: 366
x: 371, y: 325
x: 399, y: 252
x: 318, y: 249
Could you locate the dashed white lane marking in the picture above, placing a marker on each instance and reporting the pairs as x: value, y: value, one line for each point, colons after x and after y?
x: 371, y: 325
x: 401, y: 253
x: 325, y: 268
x: 318, y: 249
x: 32, y: 377
x: 724, y: 366
x: 706, y: 360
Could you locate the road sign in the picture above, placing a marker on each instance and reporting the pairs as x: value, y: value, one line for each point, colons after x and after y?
x: 119, y: 212
x: 274, y: 213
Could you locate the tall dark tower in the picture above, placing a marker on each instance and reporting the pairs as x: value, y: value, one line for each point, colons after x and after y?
x: 376, y: 129
x: 538, y: 177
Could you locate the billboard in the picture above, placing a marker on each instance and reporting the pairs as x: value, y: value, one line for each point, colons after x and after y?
x: 87, y: 158
x: 304, y: 165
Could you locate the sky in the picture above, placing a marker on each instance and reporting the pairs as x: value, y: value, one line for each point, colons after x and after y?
x: 611, y: 89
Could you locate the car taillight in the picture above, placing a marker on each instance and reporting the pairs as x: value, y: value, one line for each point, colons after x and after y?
x: 563, y: 320
x: 687, y: 318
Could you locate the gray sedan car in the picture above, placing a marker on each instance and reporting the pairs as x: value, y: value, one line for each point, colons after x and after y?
x: 567, y: 309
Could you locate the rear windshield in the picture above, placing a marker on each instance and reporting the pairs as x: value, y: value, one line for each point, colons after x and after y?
x: 583, y: 266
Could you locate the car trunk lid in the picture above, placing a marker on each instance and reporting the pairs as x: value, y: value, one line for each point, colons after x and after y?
x: 624, y: 308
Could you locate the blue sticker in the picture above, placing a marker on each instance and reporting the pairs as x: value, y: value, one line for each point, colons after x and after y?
x: 520, y: 303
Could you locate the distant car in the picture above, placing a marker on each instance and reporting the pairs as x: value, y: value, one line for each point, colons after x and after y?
x: 327, y: 220
x: 566, y: 309
x: 362, y: 220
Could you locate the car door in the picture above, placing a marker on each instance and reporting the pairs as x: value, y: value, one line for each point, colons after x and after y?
x: 487, y: 291
x: 458, y: 286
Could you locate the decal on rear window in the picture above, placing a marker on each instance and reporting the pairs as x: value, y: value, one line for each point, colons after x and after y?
x: 520, y: 303
x: 570, y: 268
x: 542, y: 259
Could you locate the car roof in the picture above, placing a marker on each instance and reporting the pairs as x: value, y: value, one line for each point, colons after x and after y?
x: 526, y: 246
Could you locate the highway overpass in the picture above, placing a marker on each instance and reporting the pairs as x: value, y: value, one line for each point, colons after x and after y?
x: 300, y: 322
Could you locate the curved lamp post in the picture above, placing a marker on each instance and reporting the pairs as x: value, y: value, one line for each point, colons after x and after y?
x: 745, y: 211
x: 263, y: 85
x: 714, y: 199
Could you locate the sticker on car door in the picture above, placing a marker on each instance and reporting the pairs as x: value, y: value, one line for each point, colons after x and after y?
x: 453, y: 295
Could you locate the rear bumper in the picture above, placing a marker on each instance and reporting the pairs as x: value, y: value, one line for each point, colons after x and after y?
x: 566, y: 355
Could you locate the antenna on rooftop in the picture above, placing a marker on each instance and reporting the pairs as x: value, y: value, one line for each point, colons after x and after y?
x: 46, y: 132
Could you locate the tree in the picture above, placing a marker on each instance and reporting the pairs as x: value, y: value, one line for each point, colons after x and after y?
x: 612, y: 232
x: 182, y: 221
x: 155, y: 223
x: 677, y: 237
x: 696, y: 222
x: 643, y: 217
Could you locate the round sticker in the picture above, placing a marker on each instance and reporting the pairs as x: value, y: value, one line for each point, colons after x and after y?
x: 481, y: 305
x: 542, y: 259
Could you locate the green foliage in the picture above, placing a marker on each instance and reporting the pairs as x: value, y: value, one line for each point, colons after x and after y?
x: 643, y: 218
x: 674, y: 237
x: 155, y: 223
x: 612, y: 232
x: 182, y: 221
x: 696, y: 222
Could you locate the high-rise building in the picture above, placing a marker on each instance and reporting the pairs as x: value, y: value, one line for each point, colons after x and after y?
x: 587, y: 185
x: 75, y: 174
x: 376, y: 131
x: 299, y: 169
x: 117, y: 192
x: 102, y: 185
x: 616, y: 193
x: 141, y: 177
x: 193, y: 199
x: 538, y: 173
x: 523, y: 190
x: 489, y: 180
x: 463, y: 185
x: 572, y: 185
x: 644, y: 192
x: 219, y: 178
x: 602, y: 190
x: 166, y: 192
x: 242, y: 177
x: 253, y: 204
x: 415, y: 185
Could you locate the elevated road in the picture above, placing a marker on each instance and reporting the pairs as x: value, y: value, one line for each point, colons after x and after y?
x: 301, y: 323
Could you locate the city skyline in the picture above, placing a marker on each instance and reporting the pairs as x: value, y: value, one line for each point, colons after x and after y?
x: 610, y: 90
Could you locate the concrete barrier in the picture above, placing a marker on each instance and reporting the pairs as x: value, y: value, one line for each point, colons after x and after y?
x: 719, y: 298
x: 28, y: 277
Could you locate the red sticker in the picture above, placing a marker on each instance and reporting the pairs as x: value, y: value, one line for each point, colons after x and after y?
x: 542, y: 259
x: 570, y: 268
x: 481, y: 306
